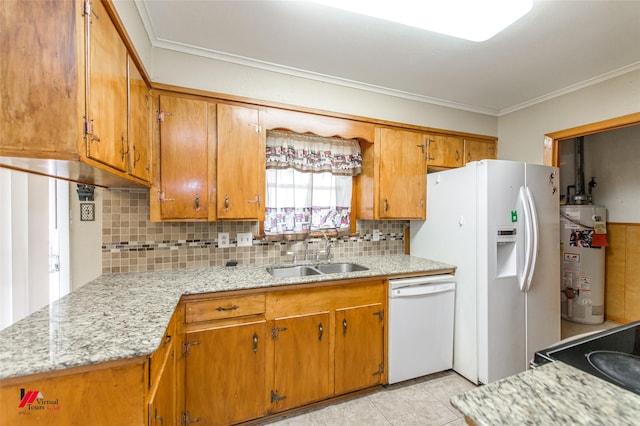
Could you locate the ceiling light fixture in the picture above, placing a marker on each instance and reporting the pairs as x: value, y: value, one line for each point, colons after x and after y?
x: 475, y: 20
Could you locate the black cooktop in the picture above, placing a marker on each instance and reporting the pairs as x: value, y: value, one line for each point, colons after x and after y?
x: 613, y: 355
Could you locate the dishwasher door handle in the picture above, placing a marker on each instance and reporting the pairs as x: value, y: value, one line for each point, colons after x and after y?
x: 420, y: 290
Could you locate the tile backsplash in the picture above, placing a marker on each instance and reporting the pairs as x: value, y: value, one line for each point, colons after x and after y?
x: 131, y: 243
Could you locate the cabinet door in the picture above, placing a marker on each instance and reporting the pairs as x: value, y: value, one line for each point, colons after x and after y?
x: 241, y: 163
x: 162, y: 403
x: 106, y: 91
x: 359, y: 352
x: 475, y: 150
x: 225, y: 374
x: 302, y: 360
x: 183, y: 158
x: 402, y: 180
x: 139, y: 125
x: 444, y: 151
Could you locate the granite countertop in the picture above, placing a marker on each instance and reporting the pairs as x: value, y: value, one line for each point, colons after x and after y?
x: 124, y: 316
x: 552, y: 394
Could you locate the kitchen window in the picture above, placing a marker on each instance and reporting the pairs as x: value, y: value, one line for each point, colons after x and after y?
x: 309, y: 184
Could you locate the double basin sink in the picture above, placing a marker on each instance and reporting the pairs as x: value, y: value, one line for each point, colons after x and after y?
x: 306, y: 270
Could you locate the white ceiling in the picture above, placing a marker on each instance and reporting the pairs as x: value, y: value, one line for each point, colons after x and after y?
x: 558, y: 47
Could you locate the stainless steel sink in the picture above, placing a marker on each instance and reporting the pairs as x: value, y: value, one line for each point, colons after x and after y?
x: 338, y: 268
x: 306, y: 270
x: 293, y: 271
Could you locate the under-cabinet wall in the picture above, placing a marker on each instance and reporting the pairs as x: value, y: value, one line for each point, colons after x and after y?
x: 131, y: 243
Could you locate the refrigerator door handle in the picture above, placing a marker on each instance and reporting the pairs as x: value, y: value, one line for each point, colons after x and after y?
x: 535, y: 228
x: 522, y: 279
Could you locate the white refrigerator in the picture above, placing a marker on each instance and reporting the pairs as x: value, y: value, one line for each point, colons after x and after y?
x: 497, y: 221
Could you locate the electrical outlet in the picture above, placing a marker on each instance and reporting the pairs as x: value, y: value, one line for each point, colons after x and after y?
x: 245, y: 239
x: 223, y: 239
x: 376, y: 235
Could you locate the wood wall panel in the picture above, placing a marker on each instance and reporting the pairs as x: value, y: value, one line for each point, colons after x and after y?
x: 615, y: 272
x: 622, y: 291
x: 632, y: 274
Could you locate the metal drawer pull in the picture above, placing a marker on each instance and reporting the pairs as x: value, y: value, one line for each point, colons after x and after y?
x: 255, y: 342
x: 320, y: 331
x: 344, y: 327
x: 231, y: 308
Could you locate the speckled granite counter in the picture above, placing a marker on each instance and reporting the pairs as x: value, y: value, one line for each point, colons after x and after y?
x: 552, y: 394
x: 125, y: 315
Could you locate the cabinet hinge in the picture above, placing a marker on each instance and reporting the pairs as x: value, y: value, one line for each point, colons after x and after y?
x: 161, y: 115
x: 88, y: 11
x: 275, y: 331
x: 186, y: 347
x: 185, y: 419
x: 380, y: 370
x: 88, y: 127
x: 380, y: 315
x: 275, y: 397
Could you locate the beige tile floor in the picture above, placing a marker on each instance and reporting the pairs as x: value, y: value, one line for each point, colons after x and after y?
x: 423, y: 401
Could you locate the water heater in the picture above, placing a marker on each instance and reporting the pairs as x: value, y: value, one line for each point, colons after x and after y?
x: 582, y: 266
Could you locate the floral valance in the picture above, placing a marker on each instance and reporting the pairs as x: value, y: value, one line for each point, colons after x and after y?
x: 311, y: 153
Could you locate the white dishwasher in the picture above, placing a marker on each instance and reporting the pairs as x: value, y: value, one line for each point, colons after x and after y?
x: 420, y: 326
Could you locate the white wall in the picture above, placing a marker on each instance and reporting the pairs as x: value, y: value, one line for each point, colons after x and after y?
x: 180, y: 69
x: 521, y: 133
x: 85, y: 240
x: 613, y: 157
x: 24, y: 243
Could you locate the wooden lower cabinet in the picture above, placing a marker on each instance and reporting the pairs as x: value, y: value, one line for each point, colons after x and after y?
x: 108, y: 394
x: 359, y: 354
x: 302, y: 360
x: 291, y: 348
x: 225, y: 374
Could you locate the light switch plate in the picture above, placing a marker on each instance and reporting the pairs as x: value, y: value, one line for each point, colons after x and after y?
x: 376, y: 235
x: 223, y: 239
x: 245, y: 239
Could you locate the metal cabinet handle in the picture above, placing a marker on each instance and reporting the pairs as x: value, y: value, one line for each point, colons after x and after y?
x: 344, y: 327
x: 255, y: 342
x: 320, y: 331
x: 226, y: 203
x: 136, y: 156
x: 197, y: 203
x: 457, y: 155
x: 386, y: 204
x: 230, y: 308
x: 167, y: 340
x: 123, y: 144
x: 158, y: 417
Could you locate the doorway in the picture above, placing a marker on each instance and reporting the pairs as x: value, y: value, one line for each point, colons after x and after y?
x: 611, y: 146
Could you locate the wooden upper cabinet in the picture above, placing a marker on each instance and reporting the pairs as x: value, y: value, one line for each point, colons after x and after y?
x: 401, y: 182
x: 64, y: 74
x: 139, y: 130
x: 182, y: 191
x: 241, y: 163
x: 445, y: 151
x: 475, y: 150
x: 107, y: 83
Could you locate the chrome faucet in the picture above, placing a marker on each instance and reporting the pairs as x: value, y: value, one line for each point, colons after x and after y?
x: 329, y: 246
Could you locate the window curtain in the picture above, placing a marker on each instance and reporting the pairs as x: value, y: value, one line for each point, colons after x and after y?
x: 309, y: 184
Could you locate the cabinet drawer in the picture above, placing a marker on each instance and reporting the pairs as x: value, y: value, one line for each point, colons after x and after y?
x: 231, y: 307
